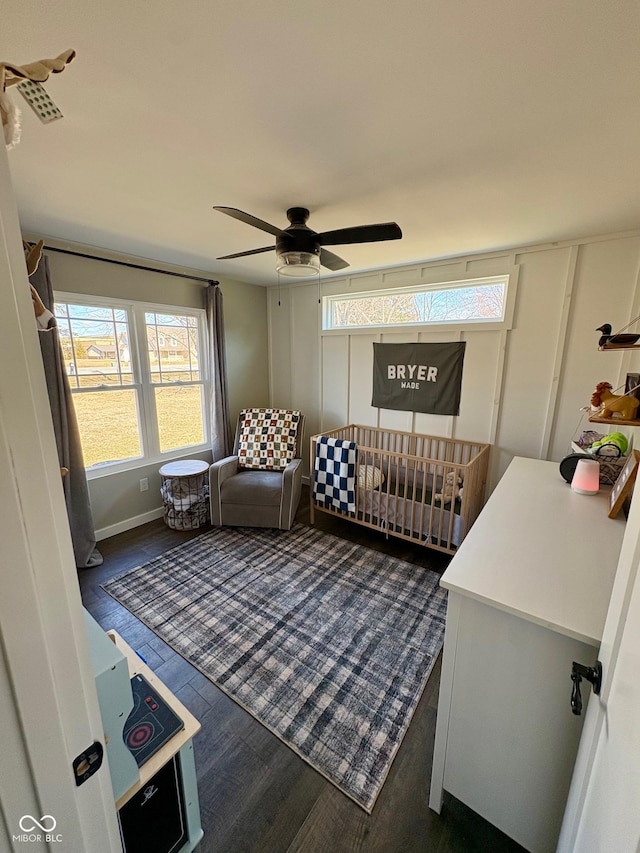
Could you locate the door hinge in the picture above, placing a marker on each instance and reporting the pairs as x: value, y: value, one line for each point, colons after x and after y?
x: 593, y: 674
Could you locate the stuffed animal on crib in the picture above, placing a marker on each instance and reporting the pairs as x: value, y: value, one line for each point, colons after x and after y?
x: 451, y: 488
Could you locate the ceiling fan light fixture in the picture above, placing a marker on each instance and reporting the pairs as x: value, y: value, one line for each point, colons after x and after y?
x: 300, y: 251
x: 298, y: 264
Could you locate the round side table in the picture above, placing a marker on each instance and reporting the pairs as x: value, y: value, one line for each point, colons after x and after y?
x: 185, y: 493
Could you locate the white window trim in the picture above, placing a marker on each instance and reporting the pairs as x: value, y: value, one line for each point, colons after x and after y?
x: 511, y: 274
x: 140, y: 363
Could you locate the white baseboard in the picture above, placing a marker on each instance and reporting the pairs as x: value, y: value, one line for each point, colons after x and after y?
x: 137, y: 520
x: 129, y: 523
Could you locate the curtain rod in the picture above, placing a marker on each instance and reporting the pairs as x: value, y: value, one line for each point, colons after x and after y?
x: 127, y: 264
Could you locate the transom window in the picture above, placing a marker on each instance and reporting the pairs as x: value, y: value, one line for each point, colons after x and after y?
x: 136, y: 377
x: 479, y: 300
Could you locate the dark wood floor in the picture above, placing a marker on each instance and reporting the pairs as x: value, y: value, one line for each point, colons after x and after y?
x: 256, y: 795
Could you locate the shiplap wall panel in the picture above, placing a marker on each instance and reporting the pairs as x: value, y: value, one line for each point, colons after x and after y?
x: 606, y: 274
x: 631, y: 358
x: 481, y: 362
x: 531, y: 351
x: 280, y: 359
x: 560, y: 348
x: 487, y: 266
x: 449, y: 271
x: 335, y: 381
x: 361, y: 380
x: 305, y: 367
x: 398, y: 278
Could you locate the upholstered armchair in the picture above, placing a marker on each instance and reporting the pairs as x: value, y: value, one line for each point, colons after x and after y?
x: 260, y: 485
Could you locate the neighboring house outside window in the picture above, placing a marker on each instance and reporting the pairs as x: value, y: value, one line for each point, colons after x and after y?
x: 138, y: 382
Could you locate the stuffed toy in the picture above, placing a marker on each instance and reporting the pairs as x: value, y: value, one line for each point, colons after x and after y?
x: 12, y: 74
x: 614, y: 444
x: 588, y: 437
x: 32, y: 254
x: 44, y: 318
x: 610, y: 404
x: 451, y: 489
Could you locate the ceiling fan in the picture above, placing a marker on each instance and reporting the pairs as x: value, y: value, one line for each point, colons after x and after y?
x: 300, y: 250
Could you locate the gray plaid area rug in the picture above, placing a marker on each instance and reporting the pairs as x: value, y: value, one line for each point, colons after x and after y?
x: 327, y: 643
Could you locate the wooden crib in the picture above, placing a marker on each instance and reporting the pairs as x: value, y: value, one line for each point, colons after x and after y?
x: 397, y: 477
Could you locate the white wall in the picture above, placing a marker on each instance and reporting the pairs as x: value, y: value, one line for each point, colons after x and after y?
x: 116, y: 500
x: 522, y: 389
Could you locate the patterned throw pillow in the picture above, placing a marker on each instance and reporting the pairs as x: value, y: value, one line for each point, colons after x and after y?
x: 267, y: 438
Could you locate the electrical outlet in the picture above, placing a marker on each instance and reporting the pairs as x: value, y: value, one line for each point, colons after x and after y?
x: 144, y: 484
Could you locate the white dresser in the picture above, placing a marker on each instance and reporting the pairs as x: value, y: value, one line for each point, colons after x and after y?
x: 528, y: 594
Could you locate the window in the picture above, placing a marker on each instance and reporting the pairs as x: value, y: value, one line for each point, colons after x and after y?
x: 480, y: 300
x: 136, y: 377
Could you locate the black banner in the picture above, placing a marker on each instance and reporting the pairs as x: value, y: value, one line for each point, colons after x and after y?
x: 418, y: 377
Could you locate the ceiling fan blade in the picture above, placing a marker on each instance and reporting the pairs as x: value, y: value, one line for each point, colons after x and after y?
x: 244, y: 254
x: 250, y: 220
x: 331, y: 261
x: 360, y: 234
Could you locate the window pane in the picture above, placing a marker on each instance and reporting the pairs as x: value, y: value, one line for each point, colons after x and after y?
x: 457, y: 302
x: 108, y: 375
x: 108, y: 422
x: 95, y: 312
x: 174, y: 347
x: 180, y: 417
x: 95, y: 345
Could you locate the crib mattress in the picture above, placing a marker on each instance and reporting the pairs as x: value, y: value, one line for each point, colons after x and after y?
x: 390, y: 511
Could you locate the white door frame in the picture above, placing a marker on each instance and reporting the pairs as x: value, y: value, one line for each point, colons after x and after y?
x: 48, y: 701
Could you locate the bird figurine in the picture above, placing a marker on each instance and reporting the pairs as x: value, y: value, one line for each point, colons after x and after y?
x: 615, y: 340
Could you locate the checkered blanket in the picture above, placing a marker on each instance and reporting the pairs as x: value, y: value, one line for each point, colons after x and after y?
x: 334, y: 475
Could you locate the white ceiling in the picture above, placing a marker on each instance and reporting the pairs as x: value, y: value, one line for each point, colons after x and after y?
x: 474, y: 125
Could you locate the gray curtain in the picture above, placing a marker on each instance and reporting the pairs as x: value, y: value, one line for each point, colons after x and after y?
x: 221, y: 442
x: 65, y: 426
